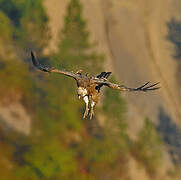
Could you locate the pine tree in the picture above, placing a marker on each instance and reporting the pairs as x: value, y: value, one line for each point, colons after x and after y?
x: 75, y: 52
x: 75, y: 49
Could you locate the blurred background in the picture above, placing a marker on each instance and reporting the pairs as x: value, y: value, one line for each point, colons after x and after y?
x: 133, y: 135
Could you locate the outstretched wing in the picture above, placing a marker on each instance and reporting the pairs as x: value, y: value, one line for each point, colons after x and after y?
x: 51, y: 69
x: 143, y: 88
x: 146, y: 87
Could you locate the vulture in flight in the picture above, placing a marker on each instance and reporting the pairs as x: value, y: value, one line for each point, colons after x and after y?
x: 88, y: 87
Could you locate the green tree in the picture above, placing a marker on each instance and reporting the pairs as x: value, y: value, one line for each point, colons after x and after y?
x: 148, y: 148
x: 46, y: 161
x: 75, y: 52
x: 6, y: 35
x: 75, y: 49
x: 34, y: 32
x: 13, y: 9
x: 5, y: 27
x: 29, y: 20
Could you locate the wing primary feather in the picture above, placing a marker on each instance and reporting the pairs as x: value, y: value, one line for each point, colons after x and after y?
x: 38, y: 65
x: 154, y: 88
x: 101, y: 74
x: 107, y: 74
x: 143, y: 85
x: 52, y: 69
x: 153, y: 85
x: 35, y: 62
x: 143, y: 88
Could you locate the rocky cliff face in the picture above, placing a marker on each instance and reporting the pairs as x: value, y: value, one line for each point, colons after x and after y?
x: 133, y: 35
x: 13, y: 115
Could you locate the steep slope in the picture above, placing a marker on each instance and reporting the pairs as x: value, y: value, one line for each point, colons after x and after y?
x: 132, y: 34
x: 136, y: 34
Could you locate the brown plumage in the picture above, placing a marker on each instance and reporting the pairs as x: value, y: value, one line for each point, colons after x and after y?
x: 88, y: 87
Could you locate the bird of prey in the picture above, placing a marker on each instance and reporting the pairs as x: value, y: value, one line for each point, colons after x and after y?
x: 88, y: 87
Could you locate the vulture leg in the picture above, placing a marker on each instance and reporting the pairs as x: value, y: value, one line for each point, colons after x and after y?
x: 92, y: 109
x: 86, y: 100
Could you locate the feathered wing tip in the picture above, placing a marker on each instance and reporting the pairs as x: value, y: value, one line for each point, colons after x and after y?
x: 38, y: 65
x: 34, y: 60
x: 104, y: 75
x: 148, y: 88
x: 145, y: 87
x: 101, y: 75
x: 52, y: 69
x: 107, y: 74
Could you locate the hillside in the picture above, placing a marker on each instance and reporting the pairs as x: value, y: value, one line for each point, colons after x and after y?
x: 132, y: 135
x: 133, y: 35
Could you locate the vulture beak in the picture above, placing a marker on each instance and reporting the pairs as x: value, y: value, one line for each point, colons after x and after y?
x: 79, y: 96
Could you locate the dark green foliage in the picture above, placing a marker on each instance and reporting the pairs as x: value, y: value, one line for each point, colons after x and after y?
x: 74, y: 32
x: 29, y: 20
x: 47, y: 160
x: 174, y: 32
x: 171, y: 135
x: 75, y: 49
x: 13, y: 9
x: 114, y: 106
x: 34, y: 25
x: 148, y: 148
x: 5, y: 27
